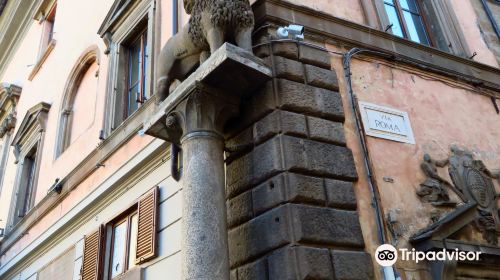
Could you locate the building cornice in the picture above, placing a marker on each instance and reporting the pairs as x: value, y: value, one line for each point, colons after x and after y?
x: 350, y: 34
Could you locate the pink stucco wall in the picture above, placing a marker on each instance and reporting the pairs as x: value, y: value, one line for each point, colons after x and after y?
x: 469, y: 25
x: 442, y: 113
x: 84, y: 105
x: 351, y: 10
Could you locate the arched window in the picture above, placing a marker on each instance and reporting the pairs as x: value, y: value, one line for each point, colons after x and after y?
x: 78, y: 105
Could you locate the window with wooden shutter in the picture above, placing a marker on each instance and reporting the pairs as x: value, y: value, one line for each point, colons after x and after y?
x: 92, y: 255
x: 146, y: 230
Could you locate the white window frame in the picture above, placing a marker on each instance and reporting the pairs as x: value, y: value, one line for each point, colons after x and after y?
x: 116, y: 30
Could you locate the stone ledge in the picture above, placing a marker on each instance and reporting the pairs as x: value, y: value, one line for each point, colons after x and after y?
x: 229, y: 69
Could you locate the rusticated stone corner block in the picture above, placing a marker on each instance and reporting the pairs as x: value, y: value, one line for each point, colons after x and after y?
x: 258, y: 236
x: 352, y: 265
x: 314, y: 56
x: 287, y: 68
x: 309, y: 100
x: 340, y: 194
x: 326, y: 131
x: 305, y: 189
x: 296, y: 71
x: 263, y: 162
x: 253, y: 271
x: 320, y: 77
x: 312, y: 225
x: 300, y: 155
x: 302, y: 52
x: 239, y: 209
x: 290, y: 187
x: 287, y: 123
x: 315, y: 225
x: 269, y: 194
x: 294, y: 97
x: 318, y: 158
x: 300, y: 263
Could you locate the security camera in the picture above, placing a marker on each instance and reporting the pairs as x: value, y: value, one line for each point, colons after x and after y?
x: 294, y: 30
x: 56, y: 187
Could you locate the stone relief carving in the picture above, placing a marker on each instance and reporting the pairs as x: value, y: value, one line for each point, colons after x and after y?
x: 433, y: 188
x: 471, y: 180
x: 212, y: 23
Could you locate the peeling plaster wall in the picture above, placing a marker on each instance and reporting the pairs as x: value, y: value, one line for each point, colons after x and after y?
x: 469, y: 24
x: 351, y: 10
x: 485, y: 25
x: 442, y: 113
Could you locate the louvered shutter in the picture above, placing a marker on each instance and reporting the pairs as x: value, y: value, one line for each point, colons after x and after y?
x: 146, y: 229
x: 93, y: 252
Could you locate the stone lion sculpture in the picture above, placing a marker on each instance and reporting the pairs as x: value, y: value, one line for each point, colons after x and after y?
x: 212, y: 23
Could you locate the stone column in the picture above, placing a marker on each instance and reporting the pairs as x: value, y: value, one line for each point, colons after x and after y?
x: 199, y: 120
x: 193, y: 117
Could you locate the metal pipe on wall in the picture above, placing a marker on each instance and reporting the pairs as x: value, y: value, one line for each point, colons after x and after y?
x: 175, y: 17
x: 388, y: 272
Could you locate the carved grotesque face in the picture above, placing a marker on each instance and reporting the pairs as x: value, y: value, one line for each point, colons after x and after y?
x: 188, y: 6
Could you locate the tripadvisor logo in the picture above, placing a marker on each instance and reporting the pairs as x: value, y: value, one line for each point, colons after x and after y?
x: 387, y: 255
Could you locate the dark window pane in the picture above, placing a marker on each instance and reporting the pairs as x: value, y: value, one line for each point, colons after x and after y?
x: 416, y: 28
x: 389, y: 1
x: 118, y: 250
x: 394, y: 20
x: 132, y: 99
x: 410, y: 5
x: 29, y: 163
x: 145, y: 64
x: 134, y: 63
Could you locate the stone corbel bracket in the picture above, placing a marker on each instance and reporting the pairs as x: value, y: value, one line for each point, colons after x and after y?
x: 217, y: 86
x: 9, y: 96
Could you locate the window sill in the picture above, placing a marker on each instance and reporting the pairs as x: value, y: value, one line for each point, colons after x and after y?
x: 42, y: 59
x: 133, y: 274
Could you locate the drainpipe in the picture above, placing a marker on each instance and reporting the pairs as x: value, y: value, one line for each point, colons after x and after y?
x: 175, y: 17
x: 388, y: 272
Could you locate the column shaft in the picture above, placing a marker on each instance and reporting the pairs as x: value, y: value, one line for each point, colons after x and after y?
x: 204, y: 224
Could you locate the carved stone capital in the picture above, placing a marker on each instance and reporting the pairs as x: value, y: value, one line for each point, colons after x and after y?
x: 209, y: 96
x: 205, y: 110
